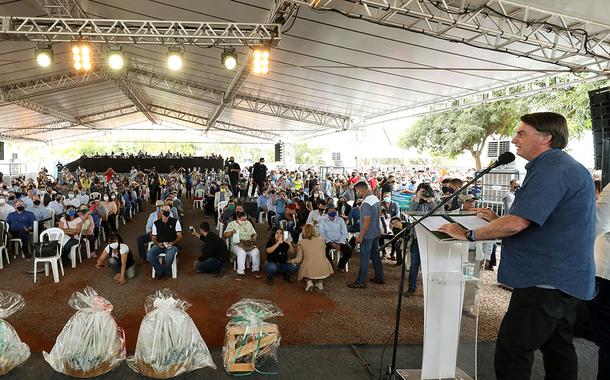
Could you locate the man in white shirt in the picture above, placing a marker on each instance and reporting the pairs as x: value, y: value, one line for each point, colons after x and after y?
x: 56, y: 205
x: 39, y: 211
x: 600, y: 305
x: 509, y: 198
x: 334, y: 232
x: 5, y: 208
x: 72, y: 200
x: 315, y: 217
x: 83, y: 197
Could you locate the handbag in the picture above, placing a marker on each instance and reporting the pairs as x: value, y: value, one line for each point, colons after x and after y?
x: 46, y: 249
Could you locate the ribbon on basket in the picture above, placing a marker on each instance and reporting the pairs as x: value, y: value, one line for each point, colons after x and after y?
x: 250, y: 317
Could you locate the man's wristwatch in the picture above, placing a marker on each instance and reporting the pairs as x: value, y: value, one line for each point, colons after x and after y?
x: 470, y: 235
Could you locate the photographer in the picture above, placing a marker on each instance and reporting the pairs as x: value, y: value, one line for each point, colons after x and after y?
x: 423, y: 201
x: 214, y: 251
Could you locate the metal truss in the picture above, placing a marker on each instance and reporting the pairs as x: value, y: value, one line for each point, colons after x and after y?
x: 498, y: 25
x: 21, y: 132
x: 523, y: 88
x: 281, y: 11
x: 219, y: 126
x: 143, y: 32
x: 132, y: 92
x: 61, y: 8
x: 162, y: 82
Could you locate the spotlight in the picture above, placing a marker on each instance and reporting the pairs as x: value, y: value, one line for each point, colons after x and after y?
x: 260, y: 64
x: 229, y: 58
x: 44, y: 55
x: 116, y: 58
x: 81, y: 57
x: 174, y: 58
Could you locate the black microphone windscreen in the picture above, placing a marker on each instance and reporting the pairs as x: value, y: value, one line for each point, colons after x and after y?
x: 505, y: 158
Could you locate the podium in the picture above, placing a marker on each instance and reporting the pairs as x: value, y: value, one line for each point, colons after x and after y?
x: 448, y: 269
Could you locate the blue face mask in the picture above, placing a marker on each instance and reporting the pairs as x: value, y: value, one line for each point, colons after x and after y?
x: 332, y: 214
x: 71, y: 213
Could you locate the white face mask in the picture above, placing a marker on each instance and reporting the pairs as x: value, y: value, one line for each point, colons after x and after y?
x: 2, y: 201
x: 114, y: 245
x: 105, y: 197
x: 113, y: 197
x: 70, y: 195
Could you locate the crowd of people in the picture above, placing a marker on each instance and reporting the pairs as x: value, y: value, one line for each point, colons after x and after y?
x: 142, y: 154
x: 316, y: 221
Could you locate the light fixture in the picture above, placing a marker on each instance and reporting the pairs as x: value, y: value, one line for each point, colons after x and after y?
x: 116, y: 58
x: 81, y: 56
x: 174, y: 58
x: 44, y: 55
x: 229, y: 58
x: 260, y: 63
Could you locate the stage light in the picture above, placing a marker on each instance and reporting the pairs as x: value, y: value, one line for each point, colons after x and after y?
x: 260, y: 61
x: 116, y: 58
x: 229, y: 58
x: 81, y: 57
x: 44, y: 55
x: 174, y: 58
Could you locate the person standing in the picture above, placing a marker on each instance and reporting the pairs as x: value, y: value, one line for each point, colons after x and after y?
x: 259, y: 174
x: 599, y: 307
x: 368, y: 237
x: 509, y: 198
x: 234, y: 169
x: 547, y: 252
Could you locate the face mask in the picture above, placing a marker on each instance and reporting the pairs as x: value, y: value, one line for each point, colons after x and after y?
x: 36, y: 203
x: 11, y: 198
x: 321, y: 209
x: 58, y: 199
x: 113, y: 197
x: 166, y: 213
x: 105, y: 197
x: 20, y: 208
x: 2, y: 201
x: 332, y: 214
x: 446, y: 189
x: 387, y: 199
x: 70, y: 195
x: 114, y: 245
x: 413, y: 182
x: 71, y: 213
x: 231, y: 207
x: 316, y: 195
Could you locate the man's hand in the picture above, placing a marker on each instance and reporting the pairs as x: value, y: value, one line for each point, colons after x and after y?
x: 454, y: 230
x: 160, y: 245
x: 486, y: 213
x: 359, y: 239
x: 335, y: 245
x: 122, y: 281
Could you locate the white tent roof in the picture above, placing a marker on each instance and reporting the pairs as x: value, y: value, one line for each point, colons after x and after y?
x: 329, y: 72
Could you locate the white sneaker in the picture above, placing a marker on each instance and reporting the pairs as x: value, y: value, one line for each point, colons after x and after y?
x: 319, y: 285
x: 309, y: 286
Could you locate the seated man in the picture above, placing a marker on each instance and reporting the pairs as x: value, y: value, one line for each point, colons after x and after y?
x: 316, y: 216
x: 5, y: 208
x: 72, y: 200
x: 20, y: 223
x: 214, y: 251
x: 142, y: 240
x: 247, y: 243
x: 261, y: 203
x: 56, y: 204
x: 166, y: 232
x: 334, y: 232
x: 40, y: 212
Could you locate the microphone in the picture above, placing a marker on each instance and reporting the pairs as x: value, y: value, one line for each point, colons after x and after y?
x: 503, y: 159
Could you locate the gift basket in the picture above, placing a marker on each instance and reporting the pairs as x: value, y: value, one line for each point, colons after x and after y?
x: 249, y: 340
x: 13, y: 351
x: 169, y: 343
x: 91, y: 343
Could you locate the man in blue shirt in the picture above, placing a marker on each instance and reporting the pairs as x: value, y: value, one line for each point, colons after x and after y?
x: 20, y: 223
x: 334, y: 232
x: 368, y: 237
x: 547, y: 252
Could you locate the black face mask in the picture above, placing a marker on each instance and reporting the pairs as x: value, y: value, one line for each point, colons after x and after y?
x: 58, y: 199
x: 36, y: 203
x: 11, y: 198
x: 20, y: 208
x: 166, y: 213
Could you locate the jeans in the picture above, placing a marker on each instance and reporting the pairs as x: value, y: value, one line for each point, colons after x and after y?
x: 24, y: 236
x: 369, y: 251
x: 286, y: 269
x: 142, y: 241
x: 599, y: 308
x: 115, y: 265
x: 153, y: 258
x: 209, y: 265
x: 415, y: 264
x: 542, y: 319
x: 65, y: 253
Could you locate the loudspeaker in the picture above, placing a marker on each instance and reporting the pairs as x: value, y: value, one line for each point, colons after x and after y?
x: 600, y: 120
x: 1, y: 150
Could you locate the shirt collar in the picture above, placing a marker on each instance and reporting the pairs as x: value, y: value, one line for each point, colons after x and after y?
x: 533, y: 162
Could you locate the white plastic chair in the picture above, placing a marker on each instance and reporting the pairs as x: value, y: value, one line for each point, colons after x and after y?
x: 174, y: 263
x: 198, y: 203
x: 332, y: 253
x: 17, y: 241
x: 53, y: 234
x: 262, y: 216
x: 76, y: 249
x: 351, y: 203
x: 219, y: 224
x: 3, y: 247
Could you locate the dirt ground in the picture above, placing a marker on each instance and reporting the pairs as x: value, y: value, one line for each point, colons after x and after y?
x: 336, y: 315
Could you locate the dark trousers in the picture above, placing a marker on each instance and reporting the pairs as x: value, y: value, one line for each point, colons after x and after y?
x: 415, y: 264
x: 24, y: 236
x: 65, y: 253
x: 346, y: 253
x: 257, y: 185
x: 537, y: 319
x: 599, y: 308
x: 142, y: 241
x: 209, y: 265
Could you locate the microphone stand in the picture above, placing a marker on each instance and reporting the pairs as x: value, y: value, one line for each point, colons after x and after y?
x: 405, y: 233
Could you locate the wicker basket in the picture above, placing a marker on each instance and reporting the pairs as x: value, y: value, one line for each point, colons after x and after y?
x: 147, y: 370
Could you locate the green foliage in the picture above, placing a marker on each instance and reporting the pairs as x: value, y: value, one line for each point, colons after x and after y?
x: 306, y: 155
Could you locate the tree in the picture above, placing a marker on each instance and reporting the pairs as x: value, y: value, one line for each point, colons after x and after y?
x: 453, y: 132
x: 306, y: 155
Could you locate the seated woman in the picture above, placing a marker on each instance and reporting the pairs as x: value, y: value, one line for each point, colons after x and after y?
x: 88, y: 226
x: 277, y: 251
x: 311, y: 255
x: 72, y: 225
x: 120, y: 259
